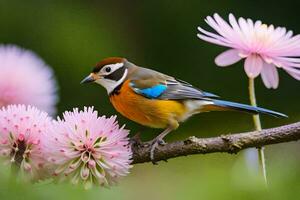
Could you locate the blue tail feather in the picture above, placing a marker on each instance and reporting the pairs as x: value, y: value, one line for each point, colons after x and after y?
x: 247, y: 108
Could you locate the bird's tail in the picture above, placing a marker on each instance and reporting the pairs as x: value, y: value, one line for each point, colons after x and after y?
x: 227, y: 105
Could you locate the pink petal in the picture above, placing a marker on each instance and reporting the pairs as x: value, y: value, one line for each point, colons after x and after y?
x: 228, y: 57
x: 253, y: 65
x: 295, y: 73
x: 213, y: 35
x: 227, y: 30
x: 269, y: 75
x: 234, y: 24
x: 17, y: 67
x: 289, y: 61
x: 212, y: 40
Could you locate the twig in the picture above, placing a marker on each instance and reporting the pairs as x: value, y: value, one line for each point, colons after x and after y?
x: 226, y: 143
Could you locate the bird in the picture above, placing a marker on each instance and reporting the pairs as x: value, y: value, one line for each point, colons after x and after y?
x: 158, y: 100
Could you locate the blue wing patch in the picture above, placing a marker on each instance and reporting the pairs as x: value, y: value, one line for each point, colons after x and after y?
x: 152, y: 92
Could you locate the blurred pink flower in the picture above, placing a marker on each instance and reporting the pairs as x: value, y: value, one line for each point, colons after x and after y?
x: 26, y: 79
x: 21, y: 130
x: 264, y: 47
x: 88, y: 149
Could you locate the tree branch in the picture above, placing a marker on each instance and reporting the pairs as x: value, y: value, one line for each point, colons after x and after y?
x: 226, y: 143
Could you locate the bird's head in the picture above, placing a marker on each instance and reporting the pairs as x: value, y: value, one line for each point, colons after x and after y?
x: 110, y: 73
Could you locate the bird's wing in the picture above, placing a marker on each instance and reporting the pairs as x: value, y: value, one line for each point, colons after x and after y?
x: 155, y: 85
x: 178, y: 89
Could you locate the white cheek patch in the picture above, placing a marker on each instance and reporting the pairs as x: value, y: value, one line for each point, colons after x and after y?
x: 110, y: 85
x: 107, y: 84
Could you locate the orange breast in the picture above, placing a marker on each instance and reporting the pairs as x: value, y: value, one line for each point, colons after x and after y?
x: 148, y: 112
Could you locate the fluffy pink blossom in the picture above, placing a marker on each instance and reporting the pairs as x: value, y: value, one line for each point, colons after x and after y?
x: 264, y: 47
x: 21, y: 131
x: 26, y: 79
x: 88, y: 149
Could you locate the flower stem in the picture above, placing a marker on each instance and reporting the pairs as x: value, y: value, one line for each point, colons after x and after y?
x: 257, y: 124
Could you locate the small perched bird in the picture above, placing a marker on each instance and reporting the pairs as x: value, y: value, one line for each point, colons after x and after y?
x: 157, y: 100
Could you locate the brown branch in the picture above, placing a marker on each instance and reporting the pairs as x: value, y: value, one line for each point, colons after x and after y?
x: 226, y: 143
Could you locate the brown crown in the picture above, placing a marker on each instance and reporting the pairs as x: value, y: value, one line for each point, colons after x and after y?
x: 107, y: 61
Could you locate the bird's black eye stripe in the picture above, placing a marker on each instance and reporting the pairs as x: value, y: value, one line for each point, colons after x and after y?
x: 108, y: 69
x: 116, y: 75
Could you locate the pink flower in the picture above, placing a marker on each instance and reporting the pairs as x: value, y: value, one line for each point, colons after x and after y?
x: 264, y: 47
x: 88, y: 149
x: 26, y: 79
x: 21, y: 131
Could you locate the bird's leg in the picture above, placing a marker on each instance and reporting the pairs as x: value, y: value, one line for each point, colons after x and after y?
x: 161, y: 142
x: 149, y: 143
x: 158, y: 140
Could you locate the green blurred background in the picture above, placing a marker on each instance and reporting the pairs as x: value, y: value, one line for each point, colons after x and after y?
x: 71, y: 36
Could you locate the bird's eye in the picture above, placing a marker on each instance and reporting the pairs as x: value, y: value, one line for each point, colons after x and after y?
x: 107, y: 69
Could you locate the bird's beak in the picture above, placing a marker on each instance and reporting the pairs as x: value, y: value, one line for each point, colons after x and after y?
x: 89, y: 79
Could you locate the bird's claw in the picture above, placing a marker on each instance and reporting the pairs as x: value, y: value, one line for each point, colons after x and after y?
x: 161, y: 142
x: 151, y: 142
x: 154, y: 145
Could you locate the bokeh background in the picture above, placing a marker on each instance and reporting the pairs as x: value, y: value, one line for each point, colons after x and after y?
x: 71, y: 36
